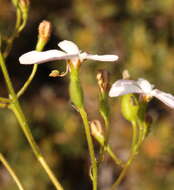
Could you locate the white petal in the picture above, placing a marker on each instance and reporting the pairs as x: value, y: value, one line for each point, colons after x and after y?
x: 122, y: 87
x: 36, y: 57
x: 69, y: 47
x: 102, y: 57
x: 166, y: 98
x: 145, y: 85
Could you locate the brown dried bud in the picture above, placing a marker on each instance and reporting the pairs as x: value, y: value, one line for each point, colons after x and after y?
x: 125, y: 74
x: 45, y: 30
x: 103, y: 80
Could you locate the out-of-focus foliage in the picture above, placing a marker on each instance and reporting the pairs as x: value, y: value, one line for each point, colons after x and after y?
x: 141, y: 32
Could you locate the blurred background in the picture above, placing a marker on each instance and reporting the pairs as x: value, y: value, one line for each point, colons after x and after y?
x: 141, y: 32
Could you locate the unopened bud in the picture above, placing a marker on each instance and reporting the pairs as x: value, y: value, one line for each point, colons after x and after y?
x: 44, y: 34
x: 103, y: 80
x: 96, y: 129
x: 44, y: 30
x: 54, y: 73
x: 24, y: 4
x: 125, y: 74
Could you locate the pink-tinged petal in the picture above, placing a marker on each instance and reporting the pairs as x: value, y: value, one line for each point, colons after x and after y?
x: 122, y: 87
x: 102, y: 57
x: 164, y: 97
x: 69, y: 47
x: 36, y: 57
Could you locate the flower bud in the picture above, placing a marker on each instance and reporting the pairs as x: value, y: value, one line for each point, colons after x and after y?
x: 44, y: 30
x: 103, y: 83
x: 103, y: 80
x: 24, y: 4
x: 125, y: 75
x: 97, y: 132
x: 96, y: 128
x: 44, y: 34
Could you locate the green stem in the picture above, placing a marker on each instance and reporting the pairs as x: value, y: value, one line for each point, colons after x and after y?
x: 76, y: 95
x: 6, y: 77
x: 134, y: 135
x: 16, y: 108
x: 108, y: 149
x: 18, y: 19
x: 123, y: 172
x: 90, y: 146
x: 11, y: 172
x: 5, y: 100
x: 22, y: 25
x: 28, y: 81
x: 39, y: 47
x: 114, y: 157
x: 104, y: 112
x: 18, y: 28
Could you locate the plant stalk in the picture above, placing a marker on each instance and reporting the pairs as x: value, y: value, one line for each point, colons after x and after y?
x: 90, y: 146
x: 11, y: 172
x: 16, y: 108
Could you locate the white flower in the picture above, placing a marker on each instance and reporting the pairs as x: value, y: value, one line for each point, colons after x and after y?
x: 70, y: 52
x: 141, y: 86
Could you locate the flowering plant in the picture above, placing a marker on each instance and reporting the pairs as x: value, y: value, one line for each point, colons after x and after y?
x: 141, y: 86
x: 135, y: 96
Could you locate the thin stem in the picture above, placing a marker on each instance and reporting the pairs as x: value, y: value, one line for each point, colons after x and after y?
x: 22, y: 25
x: 16, y: 108
x: 134, y: 135
x: 142, y: 132
x: 39, y: 47
x: 108, y: 149
x: 136, y: 138
x: 18, y: 19
x: 18, y: 28
x: 105, y: 114
x: 114, y: 157
x: 123, y: 172
x: 5, y: 100
x: 28, y: 81
x: 11, y: 172
x: 90, y: 146
x: 6, y: 77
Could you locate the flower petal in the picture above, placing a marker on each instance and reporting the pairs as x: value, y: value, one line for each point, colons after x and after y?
x: 69, y: 47
x: 145, y: 85
x: 102, y: 57
x: 164, y: 97
x: 122, y: 87
x: 36, y: 57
